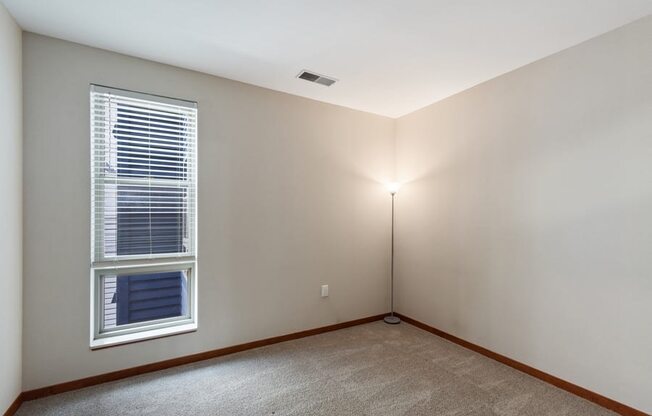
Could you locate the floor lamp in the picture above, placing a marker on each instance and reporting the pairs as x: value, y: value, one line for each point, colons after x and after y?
x: 391, y: 318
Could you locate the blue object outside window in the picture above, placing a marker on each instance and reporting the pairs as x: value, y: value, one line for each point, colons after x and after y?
x: 152, y: 296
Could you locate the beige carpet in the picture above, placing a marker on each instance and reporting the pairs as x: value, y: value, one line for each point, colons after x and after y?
x: 373, y: 369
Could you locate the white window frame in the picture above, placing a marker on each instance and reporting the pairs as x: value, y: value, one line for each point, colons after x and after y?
x: 136, y: 264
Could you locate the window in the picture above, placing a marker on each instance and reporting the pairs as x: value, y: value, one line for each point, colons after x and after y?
x: 144, y: 180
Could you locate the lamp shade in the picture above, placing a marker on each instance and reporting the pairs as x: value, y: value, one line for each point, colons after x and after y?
x: 393, y: 187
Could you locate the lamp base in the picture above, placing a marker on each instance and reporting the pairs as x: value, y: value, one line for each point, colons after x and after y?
x: 392, y: 320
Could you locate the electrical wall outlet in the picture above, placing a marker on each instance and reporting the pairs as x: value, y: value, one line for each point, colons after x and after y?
x: 324, y: 291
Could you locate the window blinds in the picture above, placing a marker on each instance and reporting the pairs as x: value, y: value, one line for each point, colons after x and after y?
x: 143, y: 156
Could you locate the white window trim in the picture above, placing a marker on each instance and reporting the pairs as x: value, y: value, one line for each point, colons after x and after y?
x: 150, y: 329
x: 143, y: 335
x: 142, y: 263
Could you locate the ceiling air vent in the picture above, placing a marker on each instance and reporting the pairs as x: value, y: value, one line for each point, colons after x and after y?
x: 319, y: 79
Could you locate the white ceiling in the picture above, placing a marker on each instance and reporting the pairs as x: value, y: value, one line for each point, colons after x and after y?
x: 391, y: 56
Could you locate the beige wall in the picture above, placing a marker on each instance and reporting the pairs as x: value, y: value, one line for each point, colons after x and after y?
x: 289, y: 199
x: 526, y: 226
x: 11, y: 228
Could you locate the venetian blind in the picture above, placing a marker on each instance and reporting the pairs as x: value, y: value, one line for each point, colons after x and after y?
x: 144, y: 163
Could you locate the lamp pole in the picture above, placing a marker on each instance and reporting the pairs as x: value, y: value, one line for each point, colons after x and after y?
x: 391, y: 318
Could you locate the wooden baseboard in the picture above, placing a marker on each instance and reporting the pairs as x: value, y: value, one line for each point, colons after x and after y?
x: 14, y: 406
x: 596, y: 398
x: 161, y: 365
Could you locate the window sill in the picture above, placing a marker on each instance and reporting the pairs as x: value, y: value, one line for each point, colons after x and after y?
x: 111, y: 341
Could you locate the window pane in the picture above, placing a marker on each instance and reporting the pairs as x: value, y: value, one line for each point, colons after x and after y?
x: 150, y: 148
x: 143, y: 297
x: 144, y: 177
x: 150, y: 220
